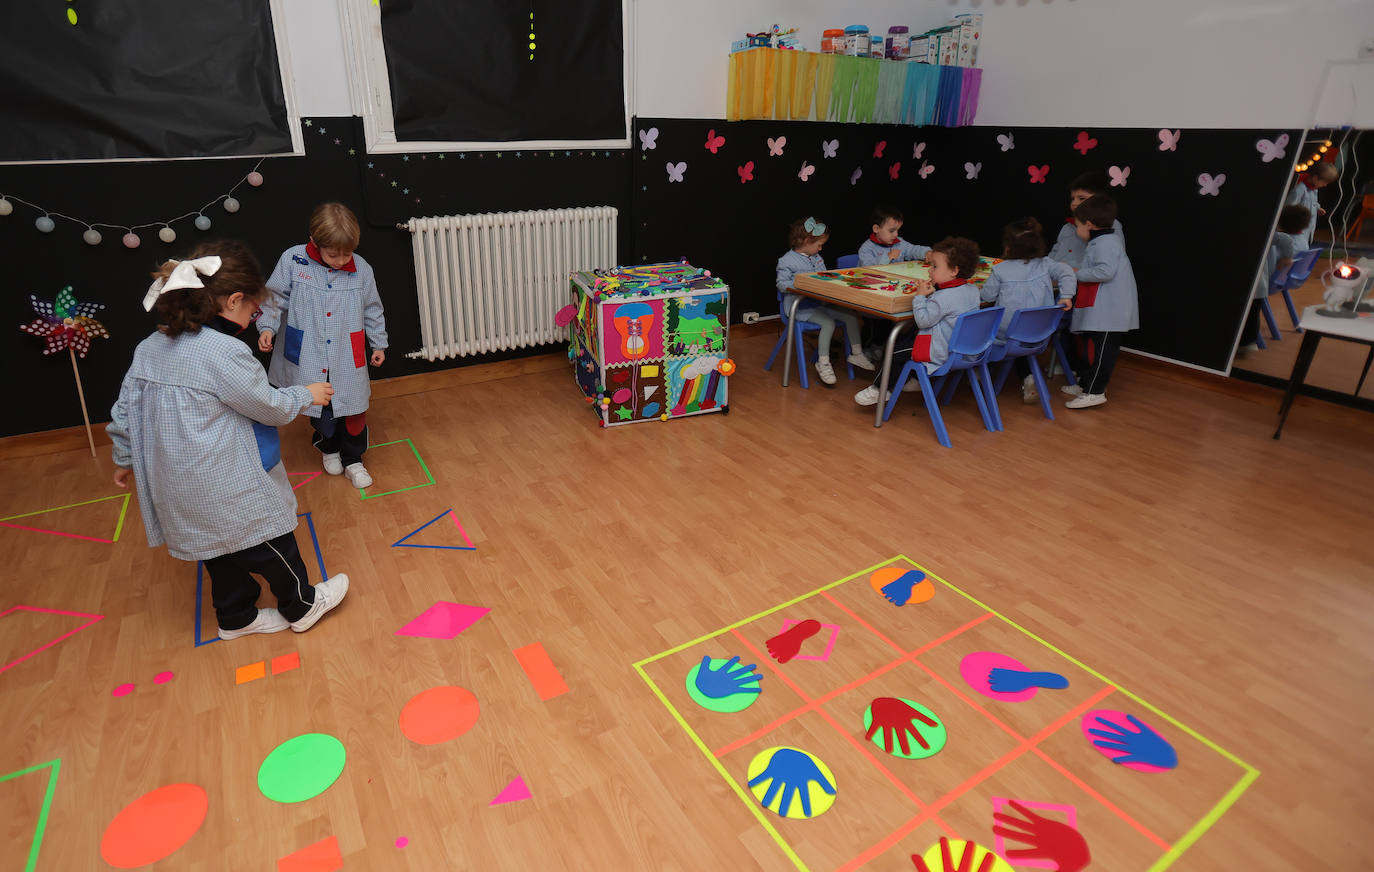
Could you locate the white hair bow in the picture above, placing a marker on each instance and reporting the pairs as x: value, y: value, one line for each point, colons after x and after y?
x: 186, y: 274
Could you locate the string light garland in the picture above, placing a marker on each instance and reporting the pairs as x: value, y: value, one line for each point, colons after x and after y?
x: 1320, y: 154
x: 45, y: 223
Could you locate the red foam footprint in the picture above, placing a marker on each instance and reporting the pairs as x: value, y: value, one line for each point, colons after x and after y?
x: 785, y: 645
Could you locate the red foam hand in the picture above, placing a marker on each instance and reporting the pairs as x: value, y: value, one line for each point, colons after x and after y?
x: 1047, y: 839
x: 896, y: 719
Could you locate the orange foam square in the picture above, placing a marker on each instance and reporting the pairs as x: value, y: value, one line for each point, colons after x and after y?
x: 286, y: 662
x: 251, y: 672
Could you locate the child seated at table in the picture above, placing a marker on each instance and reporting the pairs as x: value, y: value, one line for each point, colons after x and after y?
x: 884, y: 245
x: 1283, y: 248
x: 1105, y: 305
x: 807, y: 236
x: 1026, y: 279
x: 938, y: 303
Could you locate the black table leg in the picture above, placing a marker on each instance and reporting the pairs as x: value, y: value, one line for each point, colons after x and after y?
x: 1368, y: 360
x: 1306, y: 352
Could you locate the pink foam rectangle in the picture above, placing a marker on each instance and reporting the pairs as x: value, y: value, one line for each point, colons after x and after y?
x: 443, y: 620
x: 829, y: 646
x: 1000, y: 845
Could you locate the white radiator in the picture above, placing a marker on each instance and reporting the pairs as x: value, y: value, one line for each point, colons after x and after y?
x: 494, y: 282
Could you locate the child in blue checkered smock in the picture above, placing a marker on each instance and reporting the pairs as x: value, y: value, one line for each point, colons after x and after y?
x: 884, y: 245
x: 333, y: 312
x: 807, y: 236
x: 195, y: 427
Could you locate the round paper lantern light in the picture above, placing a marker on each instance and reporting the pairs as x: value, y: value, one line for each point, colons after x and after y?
x: 167, y: 234
x: 255, y: 178
x: 231, y: 205
x: 92, y: 236
x: 44, y: 224
x: 131, y: 240
x: 202, y: 223
x: 6, y: 207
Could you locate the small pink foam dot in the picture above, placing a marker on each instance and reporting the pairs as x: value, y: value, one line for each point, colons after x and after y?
x: 123, y: 690
x: 402, y: 842
x: 162, y: 678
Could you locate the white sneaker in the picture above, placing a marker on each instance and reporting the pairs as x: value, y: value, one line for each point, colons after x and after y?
x: 825, y: 370
x: 868, y: 396
x: 1086, y: 401
x: 267, y: 621
x: 328, y: 594
x: 333, y: 464
x: 1071, y: 390
x: 357, y: 475
x: 1248, y: 348
x: 912, y: 386
x: 1028, y: 392
x: 861, y: 360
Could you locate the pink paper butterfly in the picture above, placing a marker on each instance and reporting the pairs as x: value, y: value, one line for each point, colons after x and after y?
x: 1005, y: 140
x: 828, y: 149
x: 647, y: 138
x: 973, y: 169
x: 917, y: 149
x: 878, y: 149
x: 675, y: 171
x: 895, y: 170
x: 806, y: 171
x: 854, y: 176
x: 746, y: 172
x: 1085, y: 142
x: 1272, y: 150
x: 713, y: 142
x: 1038, y: 174
x: 1211, y: 185
x: 1119, y: 176
x: 925, y: 170
x: 775, y: 146
x: 1168, y: 140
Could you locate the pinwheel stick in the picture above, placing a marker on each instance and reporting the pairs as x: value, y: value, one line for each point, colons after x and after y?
x: 90, y: 440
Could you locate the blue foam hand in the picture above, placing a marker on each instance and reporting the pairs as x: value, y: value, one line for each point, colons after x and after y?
x: 792, y: 773
x: 728, y: 680
x: 1015, y: 680
x: 899, y: 591
x: 1143, y: 746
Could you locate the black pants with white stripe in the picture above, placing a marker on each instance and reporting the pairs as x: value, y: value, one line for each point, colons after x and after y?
x: 235, y: 593
x: 1096, y: 358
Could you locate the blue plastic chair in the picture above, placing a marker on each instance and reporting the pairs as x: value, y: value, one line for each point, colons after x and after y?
x: 1057, y: 348
x: 969, y: 346
x: 1298, y: 273
x: 803, y: 356
x: 847, y: 261
x: 1028, y: 334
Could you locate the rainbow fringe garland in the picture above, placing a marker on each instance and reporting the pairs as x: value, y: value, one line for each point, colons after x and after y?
x: 797, y: 86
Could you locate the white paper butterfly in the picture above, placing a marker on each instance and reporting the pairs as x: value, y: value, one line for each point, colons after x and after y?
x: 917, y: 149
x: 854, y: 176
x: 1006, y: 141
x: 775, y: 145
x: 1211, y: 186
x: 647, y: 137
x: 828, y: 149
x: 1168, y: 140
x: 806, y: 171
x: 1119, y: 176
x: 675, y: 171
x: 972, y: 170
x: 925, y: 170
x: 1272, y: 150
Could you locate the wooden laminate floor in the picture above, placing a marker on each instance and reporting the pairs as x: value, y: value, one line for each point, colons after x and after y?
x: 1164, y: 541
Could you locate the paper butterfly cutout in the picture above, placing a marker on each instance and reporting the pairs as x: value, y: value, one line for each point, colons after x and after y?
x: 775, y: 145
x: 925, y: 170
x: 1211, y: 186
x: 1168, y: 140
x: 1272, y: 150
x: 806, y: 171
x: 854, y: 176
x: 895, y: 170
x: 1085, y: 142
x: 713, y: 142
x: 1119, y: 176
x: 675, y: 170
x: 746, y: 172
x: 1038, y: 174
x: 828, y: 149
x: 972, y: 170
x: 917, y: 149
x: 878, y: 149
x: 65, y: 323
x: 647, y: 137
x: 1005, y: 140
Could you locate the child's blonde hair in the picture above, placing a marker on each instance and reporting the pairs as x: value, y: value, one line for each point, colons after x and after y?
x: 333, y: 225
x: 1324, y: 170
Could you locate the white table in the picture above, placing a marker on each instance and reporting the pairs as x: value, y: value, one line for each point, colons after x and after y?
x: 1359, y: 329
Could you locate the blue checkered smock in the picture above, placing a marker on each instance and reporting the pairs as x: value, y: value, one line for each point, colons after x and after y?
x: 210, y: 480
x: 328, y: 311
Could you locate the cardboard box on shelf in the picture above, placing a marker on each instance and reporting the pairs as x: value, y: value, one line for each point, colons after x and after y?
x: 969, y: 27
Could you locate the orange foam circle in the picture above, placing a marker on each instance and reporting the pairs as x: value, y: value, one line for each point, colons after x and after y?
x: 439, y: 714
x: 921, y: 592
x: 154, y: 826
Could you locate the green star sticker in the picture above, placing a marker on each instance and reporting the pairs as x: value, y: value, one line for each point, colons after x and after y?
x: 623, y: 413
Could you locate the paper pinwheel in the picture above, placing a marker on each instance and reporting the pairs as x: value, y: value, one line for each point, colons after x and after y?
x: 66, y: 323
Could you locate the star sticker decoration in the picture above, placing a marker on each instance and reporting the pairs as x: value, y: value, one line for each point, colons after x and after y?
x: 623, y: 413
x: 353, y: 151
x: 405, y: 158
x: 308, y: 123
x: 338, y: 142
x: 404, y: 190
x: 393, y: 183
x: 323, y: 131
x: 441, y: 157
x: 65, y: 323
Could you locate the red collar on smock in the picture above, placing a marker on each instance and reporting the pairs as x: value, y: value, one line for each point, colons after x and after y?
x: 1306, y: 179
x: 314, y: 252
x: 873, y: 237
x: 952, y: 283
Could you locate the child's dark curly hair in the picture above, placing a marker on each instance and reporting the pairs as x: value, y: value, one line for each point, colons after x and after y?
x: 186, y: 310
x: 1023, y: 240
x: 1294, y: 218
x: 961, y: 253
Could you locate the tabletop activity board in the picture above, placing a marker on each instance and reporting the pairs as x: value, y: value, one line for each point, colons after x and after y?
x: 886, y: 288
x: 649, y: 343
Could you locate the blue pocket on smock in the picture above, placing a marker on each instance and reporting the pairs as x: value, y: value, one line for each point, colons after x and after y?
x: 294, y: 338
x: 269, y: 444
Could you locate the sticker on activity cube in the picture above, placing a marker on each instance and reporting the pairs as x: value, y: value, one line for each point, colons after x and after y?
x: 791, y: 783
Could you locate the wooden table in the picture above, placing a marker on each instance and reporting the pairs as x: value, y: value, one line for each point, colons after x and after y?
x: 1314, y: 326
